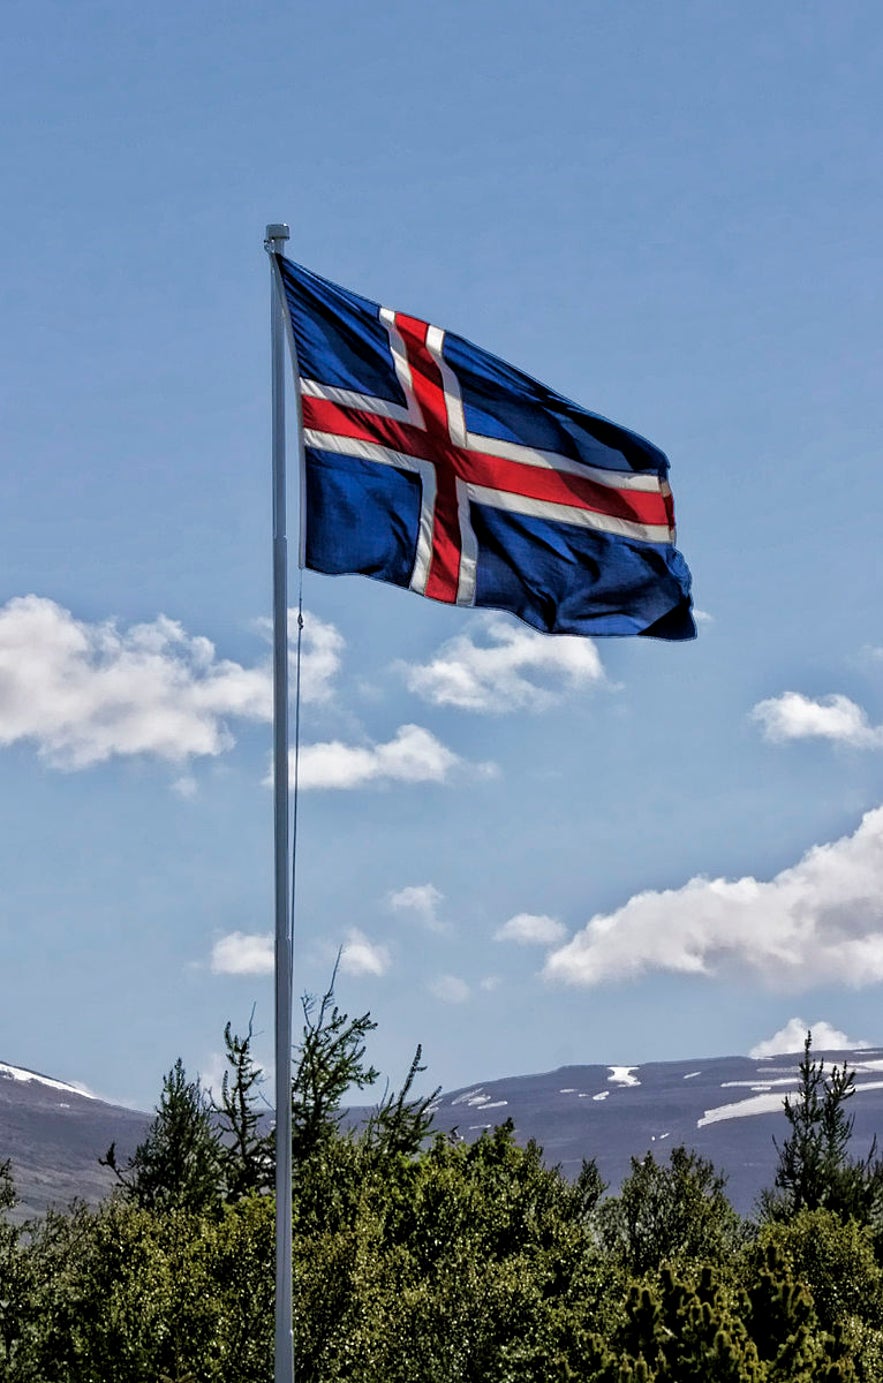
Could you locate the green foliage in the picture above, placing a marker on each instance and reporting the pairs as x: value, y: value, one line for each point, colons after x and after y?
x: 835, y: 1258
x: 8, y: 1197
x: 401, y: 1122
x: 178, y: 1165
x: 814, y: 1168
x: 14, y: 1280
x: 669, y: 1213
x: 681, y: 1329
x: 452, y: 1265
x: 127, y: 1295
x: 330, y: 1061
x: 423, y: 1260
x: 245, y: 1152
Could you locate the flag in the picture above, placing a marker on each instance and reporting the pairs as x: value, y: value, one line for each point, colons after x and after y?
x: 434, y: 465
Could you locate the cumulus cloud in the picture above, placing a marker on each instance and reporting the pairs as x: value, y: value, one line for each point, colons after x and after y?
x: 450, y: 989
x: 84, y: 693
x: 243, y: 953
x: 359, y: 956
x: 793, y: 716
x: 212, y: 1071
x: 413, y: 755
x: 790, y: 1038
x: 818, y: 922
x: 321, y: 651
x: 531, y: 929
x: 423, y: 901
x: 512, y: 668
x: 322, y: 648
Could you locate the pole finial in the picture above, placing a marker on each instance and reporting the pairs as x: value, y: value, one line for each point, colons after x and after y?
x: 275, y: 231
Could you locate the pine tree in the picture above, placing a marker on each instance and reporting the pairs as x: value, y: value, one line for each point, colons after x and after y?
x: 178, y: 1165
x: 246, y: 1152
x: 402, y: 1121
x: 814, y: 1168
x: 330, y: 1061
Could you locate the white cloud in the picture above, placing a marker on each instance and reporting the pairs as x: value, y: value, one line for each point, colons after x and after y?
x: 489, y: 983
x: 322, y: 648
x: 359, y: 956
x: 818, y: 922
x: 793, y: 716
x: 531, y: 929
x: 212, y: 1072
x: 514, y: 668
x: 243, y: 953
x: 790, y: 1038
x: 450, y: 989
x: 702, y: 616
x: 86, y: 692
x: 423, y: 901
x: 186, y: 786
x: 413, y: 755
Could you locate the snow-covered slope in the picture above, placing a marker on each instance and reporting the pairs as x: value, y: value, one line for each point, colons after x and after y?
x: 29, y: 1077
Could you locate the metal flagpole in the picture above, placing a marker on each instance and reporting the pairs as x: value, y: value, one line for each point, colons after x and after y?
x: 284, y: 1353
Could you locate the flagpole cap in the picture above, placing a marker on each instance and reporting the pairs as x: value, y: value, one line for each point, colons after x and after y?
x: 275, y: 231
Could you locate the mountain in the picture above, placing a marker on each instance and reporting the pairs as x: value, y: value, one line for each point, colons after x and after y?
x: 53, y: 1133
x: 729, y: 1109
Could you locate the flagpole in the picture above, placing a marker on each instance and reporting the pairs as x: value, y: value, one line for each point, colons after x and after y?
x: 274, y: 243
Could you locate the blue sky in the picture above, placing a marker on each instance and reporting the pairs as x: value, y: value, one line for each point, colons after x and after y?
x: 672, y: 214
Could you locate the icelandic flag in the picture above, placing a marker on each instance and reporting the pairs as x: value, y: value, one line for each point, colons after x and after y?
x: 434, y: 465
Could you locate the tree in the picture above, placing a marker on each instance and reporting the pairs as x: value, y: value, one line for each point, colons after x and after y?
x: 14, y: 1285
x: 814, y: 1168
x: 669, y: 1213
x: 834, y: 1258
x: 178, y: 1165
x: 694, y: 1328
x: 120, y: 1294
x: 246, y: 1153
x: 330, y: 1061
x: 401, y: 1122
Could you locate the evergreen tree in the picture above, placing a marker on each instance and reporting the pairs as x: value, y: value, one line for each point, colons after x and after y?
x: 246, y: 1152
x: 330, y: 1061
x: 814, y: 1168
x: 402, y: 1121
x: 178, y: 1165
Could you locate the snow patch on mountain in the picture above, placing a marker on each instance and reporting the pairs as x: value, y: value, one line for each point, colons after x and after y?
x: 622, y: 1075
x: 763, y: 1104
x: 20, y: 1074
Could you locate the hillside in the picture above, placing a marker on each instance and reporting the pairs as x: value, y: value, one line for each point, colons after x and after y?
x: 728, y: 1108
x: 54, y: 1132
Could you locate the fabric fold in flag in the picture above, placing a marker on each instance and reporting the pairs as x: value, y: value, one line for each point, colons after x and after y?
x: 434, y: 465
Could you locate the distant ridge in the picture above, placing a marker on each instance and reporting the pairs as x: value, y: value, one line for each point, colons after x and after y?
x: 727, y: 1108
x: 19, y: 1073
